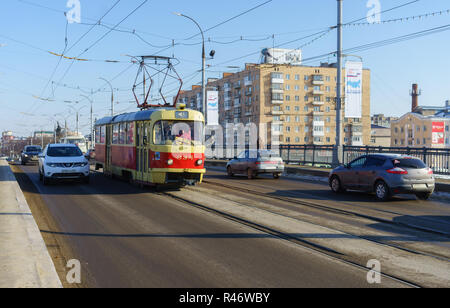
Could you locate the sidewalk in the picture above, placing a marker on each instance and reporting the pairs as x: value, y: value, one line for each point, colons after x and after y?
x: 24, y: 259
x: 442, y: 185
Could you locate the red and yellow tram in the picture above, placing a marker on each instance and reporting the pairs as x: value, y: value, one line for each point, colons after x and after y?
x: 153, y: 146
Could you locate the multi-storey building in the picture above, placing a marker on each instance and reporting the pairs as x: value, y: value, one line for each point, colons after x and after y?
x: 426, y: 127
x: 296, y: 104
x: 381, y: 120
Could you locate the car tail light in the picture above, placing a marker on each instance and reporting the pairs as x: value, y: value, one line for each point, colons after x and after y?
x: 430, y: 171
x: 397, y: 170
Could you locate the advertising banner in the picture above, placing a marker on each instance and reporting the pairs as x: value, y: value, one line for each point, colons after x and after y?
x: 437, y: 133
x: 212, y: 107
x: 353, y: 89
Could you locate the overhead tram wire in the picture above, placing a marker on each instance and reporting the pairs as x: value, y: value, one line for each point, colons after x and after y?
x: 70, y: 48
x: 101, y: 38
x: 217, y: 25
x: 328, y: 30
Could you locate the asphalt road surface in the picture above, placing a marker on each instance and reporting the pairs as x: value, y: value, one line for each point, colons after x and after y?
x: 125, y: 236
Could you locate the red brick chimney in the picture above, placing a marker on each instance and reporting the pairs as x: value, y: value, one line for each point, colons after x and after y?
x: 415, y: 93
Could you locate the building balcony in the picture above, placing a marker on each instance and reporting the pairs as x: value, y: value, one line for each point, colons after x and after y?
x: 318, y: 103
x: 277, y: 112
x: 277, y: 91
x: 318, y: 123
x: 318, y: 92
x: 277, y: 81
x: 318, y: 133
x: 248, y: 83
x: 318, y: 82
x: 248, y: 93
x: 277, y: 102
x: 237, y: 85
x: 318, y: 113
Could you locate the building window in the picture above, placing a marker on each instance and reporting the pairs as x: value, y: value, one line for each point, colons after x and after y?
x: 306, y: 98
x: 288, y: 139
x: 297, y: 77
x: 288, y: 77
x: 306, y: 77
x: 306, y: 109
x: 306, y: 88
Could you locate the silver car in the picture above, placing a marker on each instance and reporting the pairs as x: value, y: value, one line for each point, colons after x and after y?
x: 386, y: 175
x: 254, y: 162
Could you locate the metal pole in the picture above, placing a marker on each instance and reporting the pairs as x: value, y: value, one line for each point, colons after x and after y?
x: 112, y: 95
x: 338, y: 151
x: 204, y: 103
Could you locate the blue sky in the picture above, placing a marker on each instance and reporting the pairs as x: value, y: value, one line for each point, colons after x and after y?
x: 29, y: 31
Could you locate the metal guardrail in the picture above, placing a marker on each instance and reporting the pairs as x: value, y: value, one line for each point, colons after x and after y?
x: 322, y: 155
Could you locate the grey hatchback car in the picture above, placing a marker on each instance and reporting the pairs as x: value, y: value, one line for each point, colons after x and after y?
x: 254, y: 162
x: 386, y: 175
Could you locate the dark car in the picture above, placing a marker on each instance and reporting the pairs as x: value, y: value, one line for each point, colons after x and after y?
x: 30, y: 154
x: 254, y: 162
x: 385, y: 175
x: 90, y: 154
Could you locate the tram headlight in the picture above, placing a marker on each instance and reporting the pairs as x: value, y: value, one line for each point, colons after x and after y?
x: 170, y: 162
x: 199, y: 162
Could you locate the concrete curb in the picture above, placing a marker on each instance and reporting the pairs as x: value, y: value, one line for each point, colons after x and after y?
x: 440, y: 187
x: 24, y: 258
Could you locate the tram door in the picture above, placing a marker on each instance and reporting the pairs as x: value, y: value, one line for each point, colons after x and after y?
x: 142, y: 151
x: 108, y: 137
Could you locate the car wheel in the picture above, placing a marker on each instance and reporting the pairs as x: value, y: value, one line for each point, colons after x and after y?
x: 382, y: 191
x: 229, y: 171
x: 423, y: 196
x: 336, y: 185
x: 250, y: 174
x: 276, y: 176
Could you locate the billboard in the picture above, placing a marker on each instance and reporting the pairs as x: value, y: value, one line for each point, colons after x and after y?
x: 353, y: 89
x: 282, y: 56
x: 437, y: 133
x: 212, y: 107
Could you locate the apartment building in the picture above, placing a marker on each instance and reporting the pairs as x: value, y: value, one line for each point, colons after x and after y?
x: 420, y: 129
x: 296, y: 104
x: 382, y: 120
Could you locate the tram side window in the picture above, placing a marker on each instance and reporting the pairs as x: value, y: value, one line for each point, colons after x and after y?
x: 122, y: 133
x: 97, y: 134
x: 115, y: 138
x: 102, y: 134
x: 130, y: 133
x: 158, y: 134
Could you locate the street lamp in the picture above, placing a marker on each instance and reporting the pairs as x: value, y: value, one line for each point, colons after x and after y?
x: 78, y: 112
x: 112, y: 95
x: 92, y: 125
x: 203, y: 64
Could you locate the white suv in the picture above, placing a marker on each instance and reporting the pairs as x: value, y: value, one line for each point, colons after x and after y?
x: 63, y: 161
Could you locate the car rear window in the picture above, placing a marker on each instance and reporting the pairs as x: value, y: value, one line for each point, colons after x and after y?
x: 32, y: 149
x: 412, y: 163
x: 268, y: 154
x: 64, y: 152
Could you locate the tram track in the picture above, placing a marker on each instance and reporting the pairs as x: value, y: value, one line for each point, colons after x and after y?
x: 348, y: 214
x: 305, y: 244
x: 340, y: 211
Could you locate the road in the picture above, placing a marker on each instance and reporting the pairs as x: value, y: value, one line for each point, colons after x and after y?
x: 125, y: 236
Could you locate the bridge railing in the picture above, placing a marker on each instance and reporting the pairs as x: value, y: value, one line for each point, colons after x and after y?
x: 322, y: 155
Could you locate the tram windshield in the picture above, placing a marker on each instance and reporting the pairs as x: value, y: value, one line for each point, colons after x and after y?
x: 178, y: 133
